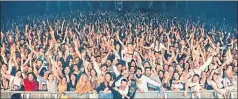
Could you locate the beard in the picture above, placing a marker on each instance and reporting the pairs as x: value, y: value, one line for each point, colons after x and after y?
x: 138, y: 76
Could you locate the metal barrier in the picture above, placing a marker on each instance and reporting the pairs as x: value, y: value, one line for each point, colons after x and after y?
x: 150, y: 94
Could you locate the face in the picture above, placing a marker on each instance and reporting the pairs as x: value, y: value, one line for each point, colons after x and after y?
x: 124, y: 83
x: 178, y: 68
x: 72, y: 77
x: 186, y: 66
x: 108, y: 77
x: 90, y: 66
x: 85, y: 78
x: 30, y: 77
x: 119, y: 67
x: 133, y: 64
x: 51, y: 77
x: 104, y: 68
x: 166, y: 75
x: 166, y: 67
x: 108, y: 63
x: 171, y: 69
x: 176, y: 76
x: 4, y: 67
x: 117, y: 47
x: 132, y: 69
x: 18, y: 74
x: 39, y: 63
x: 64, y: 80
x: 67, y: 70
x: 76, y: 68
x: 46, y: 74
x: 161, y: 74
x: 138, y: 73
x: 195, y: 79
x: 147, y: 72
x: 93, y: 72
x: 30, y: 69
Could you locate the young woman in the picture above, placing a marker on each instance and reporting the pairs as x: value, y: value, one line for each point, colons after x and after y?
x: 51, y: 83
x: 72, y: 84
x: 83, y: 85
x: 15, y: 82
x: 29, y: 82
x: 176, y: 83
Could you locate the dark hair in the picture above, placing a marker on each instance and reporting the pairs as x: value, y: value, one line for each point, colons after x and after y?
x: 34, y: 76
x: 16, y: 96
x: 138, y: 69
x: 124, y: 80
x: 148, y: 68
x: 196, y: 75
x: 110, y: 75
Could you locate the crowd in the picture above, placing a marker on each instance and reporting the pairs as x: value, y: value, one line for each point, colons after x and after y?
x: 118, y: 55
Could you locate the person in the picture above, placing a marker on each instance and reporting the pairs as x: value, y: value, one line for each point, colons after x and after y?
x: 176, y: 82
x: 121, y: 91
x: 29, y: 82
x: 143, y: 80
x: 105, y: 86
x: 106, y: 42
x: 15, y: 81
x: 193, y: 84
x: 71, y: 86
x: 83, y: 85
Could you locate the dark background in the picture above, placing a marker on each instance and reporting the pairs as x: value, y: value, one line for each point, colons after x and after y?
x: 207, y: 9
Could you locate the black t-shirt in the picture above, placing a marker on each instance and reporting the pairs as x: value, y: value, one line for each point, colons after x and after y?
x: 71, y: 87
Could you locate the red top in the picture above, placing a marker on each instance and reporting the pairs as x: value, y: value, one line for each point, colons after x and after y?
x: 30, y: 85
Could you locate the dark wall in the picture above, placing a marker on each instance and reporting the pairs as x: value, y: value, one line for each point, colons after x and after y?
x: 218, y: 9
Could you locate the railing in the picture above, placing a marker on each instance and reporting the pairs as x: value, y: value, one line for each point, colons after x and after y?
x: 150, y: 94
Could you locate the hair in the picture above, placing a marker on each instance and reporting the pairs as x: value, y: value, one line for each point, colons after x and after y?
x: 196, y: 75
x: 148, y: 68
x: 34, y: 76
x: 124, y: 80
x: 110, y: 75
x: 16, y: 96
x: 138, y: 69
x: 95, y: 72
x: 178, y: 75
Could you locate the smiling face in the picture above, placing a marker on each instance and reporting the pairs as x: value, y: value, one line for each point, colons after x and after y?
x: 108, y: 77
x: 30, y: 77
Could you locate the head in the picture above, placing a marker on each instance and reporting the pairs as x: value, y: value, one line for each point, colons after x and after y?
x: 108, y: 76
x: 124, y: 82
x: 138, y: 72
x: 101, y: 78
x: 18, y: 74
x: 161, y: 73
x: 176, y: 76
x: 31, y: 76
x: 84, y: 78
x: 147, y: 71
x: 46, y: 75
x: 90, y: 66
x: 204, y: 74
x: 93, y: 73
x: 67, y: 70
x: 132, y: 69
x: 104, y: 68
x: 119, y: 67
x: 50, y: 77
x: 4, y: 67
x: 75, y: 67
x: 131, y: 76
x: 64, y: 80
x: 195, y: 78
x: 72, y: 77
